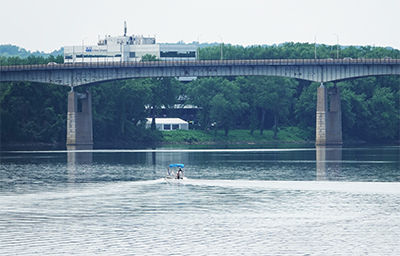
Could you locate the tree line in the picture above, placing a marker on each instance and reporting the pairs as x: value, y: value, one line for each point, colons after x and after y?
x: 35, y: 112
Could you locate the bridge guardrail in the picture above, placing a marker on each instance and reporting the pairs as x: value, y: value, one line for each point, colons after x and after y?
x: 178, y: 63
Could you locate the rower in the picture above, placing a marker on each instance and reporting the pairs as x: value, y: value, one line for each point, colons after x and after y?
x: 179, y: 173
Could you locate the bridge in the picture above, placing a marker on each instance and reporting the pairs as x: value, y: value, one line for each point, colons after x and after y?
x: 328, y: 121
x: 316, y: 70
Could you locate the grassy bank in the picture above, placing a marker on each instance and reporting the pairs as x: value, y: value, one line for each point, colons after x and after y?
x: 285, y: 135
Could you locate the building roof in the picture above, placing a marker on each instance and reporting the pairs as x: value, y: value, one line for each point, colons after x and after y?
x: 168, y: 121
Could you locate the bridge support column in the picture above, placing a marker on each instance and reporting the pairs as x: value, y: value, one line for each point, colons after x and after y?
x: 329, y: 116
x: 79, y: 121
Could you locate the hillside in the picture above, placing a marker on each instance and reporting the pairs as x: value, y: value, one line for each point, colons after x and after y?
x: 9, y: 50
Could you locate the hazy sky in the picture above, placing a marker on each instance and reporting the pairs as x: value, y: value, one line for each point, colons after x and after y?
x: 48, y: 25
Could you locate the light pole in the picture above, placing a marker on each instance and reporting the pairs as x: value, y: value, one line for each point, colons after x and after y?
x: 198, y: 47
x: 221, y: 47
x: 83, y: 47
x: 337, y: 48
x: 315, y: 46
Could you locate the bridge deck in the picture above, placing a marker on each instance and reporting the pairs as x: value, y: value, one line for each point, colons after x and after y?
x: 203, y: 63
x: 317, y: 70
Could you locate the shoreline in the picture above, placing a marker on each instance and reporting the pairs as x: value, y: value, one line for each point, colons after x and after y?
x: 115, y: 145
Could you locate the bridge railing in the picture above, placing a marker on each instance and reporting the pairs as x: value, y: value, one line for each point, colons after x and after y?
x: 178, y: 63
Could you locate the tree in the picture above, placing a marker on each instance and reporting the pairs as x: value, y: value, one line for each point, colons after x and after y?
x: 384, y: 115
x: 149, y: 57
x: 165, y: 93
x: 247, y: 92
x: 305, y: 109
x: 33, y: 112
x: 119, y: 109
x: 219, y: 101
x: 273, y: 94
x: 133, y: 96
x: 200, y: 93
x: 277, y: 98
x: 226, y: 106
x: 354, y: 113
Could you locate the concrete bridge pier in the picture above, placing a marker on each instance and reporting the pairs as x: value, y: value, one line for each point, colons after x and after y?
x: 329, y: 116
x: 79, y: 121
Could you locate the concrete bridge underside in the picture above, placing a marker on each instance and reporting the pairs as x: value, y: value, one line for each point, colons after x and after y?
x: 328, y: 123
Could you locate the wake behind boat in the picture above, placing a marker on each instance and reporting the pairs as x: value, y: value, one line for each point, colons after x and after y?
x: 175, y: 172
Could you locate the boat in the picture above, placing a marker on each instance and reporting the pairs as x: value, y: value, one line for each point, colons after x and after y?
x: 173, y: 171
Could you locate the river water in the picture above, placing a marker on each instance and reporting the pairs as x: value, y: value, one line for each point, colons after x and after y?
x: 235, y: 200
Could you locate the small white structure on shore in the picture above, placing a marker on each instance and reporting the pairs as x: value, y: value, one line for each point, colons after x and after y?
x: 168, y: 124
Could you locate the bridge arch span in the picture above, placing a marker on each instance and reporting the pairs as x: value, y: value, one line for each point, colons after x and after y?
x: 320, y: 70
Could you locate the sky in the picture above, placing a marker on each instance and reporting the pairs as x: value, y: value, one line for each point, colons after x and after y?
x: 48, y: 25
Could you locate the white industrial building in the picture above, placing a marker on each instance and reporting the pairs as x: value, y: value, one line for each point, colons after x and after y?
x: 168, y: 124
x: 128, y: 48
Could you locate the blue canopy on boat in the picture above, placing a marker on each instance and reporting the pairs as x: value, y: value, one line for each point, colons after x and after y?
x: 177, y: 165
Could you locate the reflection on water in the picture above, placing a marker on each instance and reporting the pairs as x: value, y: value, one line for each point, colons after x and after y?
x: 164, y: 158
x: 329, y: 162
x: 259, y: 163
x: 78, y: 155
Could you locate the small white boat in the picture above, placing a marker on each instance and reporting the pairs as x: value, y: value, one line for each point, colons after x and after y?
x: 175, y: 175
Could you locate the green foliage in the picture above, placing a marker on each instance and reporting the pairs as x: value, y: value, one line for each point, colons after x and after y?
x: 288, y: 134
x: 292, y: 50
x: 33, y: 112
x: 372, y: 112
x: 354, y: 112
x: 306, y: 107
x: 219, y: 100
x: 269, y: 94
x: 9, y: 50
x: 119, y: 110
x: 201, y: 92
x: 164, y: 93
x: 226, y: 106
x: 30, y: 60
x: 149, y: 57
x: 384, y: 120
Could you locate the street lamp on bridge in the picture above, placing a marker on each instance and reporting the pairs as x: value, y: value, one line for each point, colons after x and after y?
x: 198, y: 47
x: 337, y: 47
x: 83, y: 49
x: 315, y: 46
x: 221, y: 47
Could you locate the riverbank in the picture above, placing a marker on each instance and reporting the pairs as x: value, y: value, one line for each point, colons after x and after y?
x: 285, y: 135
